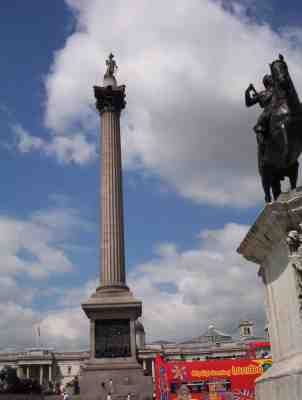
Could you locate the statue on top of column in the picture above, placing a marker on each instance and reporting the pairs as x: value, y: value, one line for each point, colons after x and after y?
x: 111, y: 66
x: 110, y: 95
x: 109, y: 78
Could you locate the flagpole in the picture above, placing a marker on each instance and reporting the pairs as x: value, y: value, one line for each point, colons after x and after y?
x: 37, y: 335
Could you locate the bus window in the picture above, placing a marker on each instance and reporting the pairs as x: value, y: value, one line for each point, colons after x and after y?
x: 197, y: 386
x: 219, y: 386
x: 173, y: 387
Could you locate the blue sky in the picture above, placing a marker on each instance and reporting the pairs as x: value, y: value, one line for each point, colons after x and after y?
x: 191, y: 187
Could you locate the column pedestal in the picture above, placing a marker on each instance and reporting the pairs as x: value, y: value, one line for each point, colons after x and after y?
x: 275, y: 243
x: 112, y: 313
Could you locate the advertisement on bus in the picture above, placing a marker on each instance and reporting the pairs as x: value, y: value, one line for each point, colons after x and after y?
x: 224, y: 379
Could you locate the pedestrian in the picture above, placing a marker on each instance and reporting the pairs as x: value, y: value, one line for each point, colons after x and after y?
x: 66, y: 396
x: 110, y: 386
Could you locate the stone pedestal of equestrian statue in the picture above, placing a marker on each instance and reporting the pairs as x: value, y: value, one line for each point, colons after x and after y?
x: 274, y: 242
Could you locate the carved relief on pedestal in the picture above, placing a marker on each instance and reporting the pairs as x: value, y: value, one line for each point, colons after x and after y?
x: 294, y: 243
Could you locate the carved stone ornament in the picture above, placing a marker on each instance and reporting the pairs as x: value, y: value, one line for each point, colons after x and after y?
x: 112, y: 338
x: 294, y: 242
x: 110, y: 98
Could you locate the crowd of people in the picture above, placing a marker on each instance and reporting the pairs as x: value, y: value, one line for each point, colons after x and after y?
x: 11, y: 383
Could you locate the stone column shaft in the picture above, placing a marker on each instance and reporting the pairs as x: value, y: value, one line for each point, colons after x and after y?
x: 41, y: 374
x: 110, y: 100
x: 112, y: 225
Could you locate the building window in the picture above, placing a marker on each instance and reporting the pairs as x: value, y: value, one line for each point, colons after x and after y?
x: 69, y: 370
x: 246, y: 331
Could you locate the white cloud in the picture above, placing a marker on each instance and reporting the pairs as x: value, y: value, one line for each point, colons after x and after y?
x: 184, y: 291
x: 74, y: 296
x: 26, y: 142
x: 186, y: 66
x: 10, y: 291
x: 17, y: 325
x: 33, y: 245
x: 66, y: 329
x: 63, y: 220
x: 32, y: 248
x: 74, y: 148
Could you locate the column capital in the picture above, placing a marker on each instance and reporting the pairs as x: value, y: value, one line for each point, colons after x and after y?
x: 110, y: 98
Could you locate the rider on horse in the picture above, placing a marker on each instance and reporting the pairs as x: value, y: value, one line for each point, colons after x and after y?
x: 278, y: 128
x: 264, y: 98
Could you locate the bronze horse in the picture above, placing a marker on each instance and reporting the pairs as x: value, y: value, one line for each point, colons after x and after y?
x: 283, y: 142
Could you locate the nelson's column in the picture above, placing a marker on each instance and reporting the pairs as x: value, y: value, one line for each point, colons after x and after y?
x: 113, y: 368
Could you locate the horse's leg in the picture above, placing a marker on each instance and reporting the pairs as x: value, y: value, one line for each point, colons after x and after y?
x: 276, y: 187
x: 266, y: 184
x: 293, y: 175
x: 285, y: 142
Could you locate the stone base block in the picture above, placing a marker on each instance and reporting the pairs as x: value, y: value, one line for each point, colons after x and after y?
x: 126, y: 378
x: 283, y: 381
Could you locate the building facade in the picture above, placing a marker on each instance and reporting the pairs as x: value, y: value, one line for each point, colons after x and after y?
x: 47, y: 365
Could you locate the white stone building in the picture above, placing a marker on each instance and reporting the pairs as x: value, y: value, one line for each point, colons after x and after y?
x: 46, y: 365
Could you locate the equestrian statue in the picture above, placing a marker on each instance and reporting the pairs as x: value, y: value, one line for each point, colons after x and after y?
x: 278, y: 129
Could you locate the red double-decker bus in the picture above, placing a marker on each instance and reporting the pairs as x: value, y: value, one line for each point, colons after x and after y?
x: 225, y: 379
